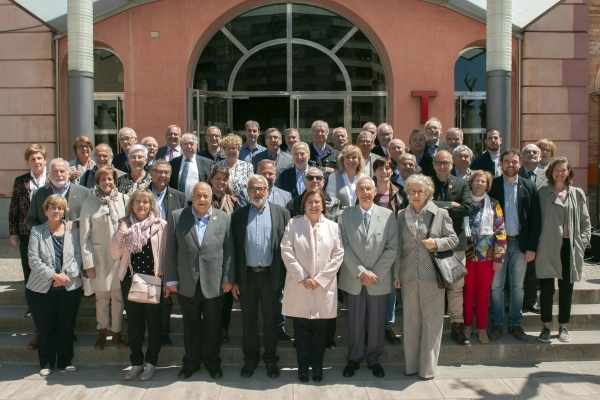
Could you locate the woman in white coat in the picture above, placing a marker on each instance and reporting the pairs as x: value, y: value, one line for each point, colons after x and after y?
x: 312, y: 252
x: 98, y: 221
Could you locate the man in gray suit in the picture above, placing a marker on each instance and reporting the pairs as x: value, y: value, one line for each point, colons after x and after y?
x: 365, y: 143
x: 277, y: 196
x: 198, y: 269
x: 370, y: 238
x: 281, y: 159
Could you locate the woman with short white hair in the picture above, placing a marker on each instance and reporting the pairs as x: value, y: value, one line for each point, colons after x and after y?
x: 137, y: 178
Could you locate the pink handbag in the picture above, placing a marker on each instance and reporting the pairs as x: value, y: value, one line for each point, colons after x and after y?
x: 144, y: 288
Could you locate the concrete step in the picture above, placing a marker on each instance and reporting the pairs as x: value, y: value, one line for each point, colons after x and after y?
x: 585, y: 345
x: 583, y: 317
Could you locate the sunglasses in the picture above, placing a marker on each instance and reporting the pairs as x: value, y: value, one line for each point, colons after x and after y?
x: 313, y: 178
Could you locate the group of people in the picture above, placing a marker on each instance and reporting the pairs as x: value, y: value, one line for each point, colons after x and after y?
x: 290, y: 234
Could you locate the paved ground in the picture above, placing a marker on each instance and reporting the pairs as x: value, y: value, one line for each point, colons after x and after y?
x: 554, y: 380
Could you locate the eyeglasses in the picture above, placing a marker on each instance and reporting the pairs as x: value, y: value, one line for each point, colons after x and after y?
x: 365, y: 142
x: 83, y: 146
x: 230, y: 148
x: 258, y: 189
x: 313, y: 178
x: 546, y: 150
x: 213, y: 136
x: 314, y: 203
x: 161, y: 172
x: 102, y: 156
x: 442, y: 163
x: 530, y: 152
x: 126, y: 138
x: 151, y: 146
x: 273, y: 138
x: 419, y: 193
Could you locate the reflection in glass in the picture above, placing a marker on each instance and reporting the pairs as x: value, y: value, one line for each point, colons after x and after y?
x: 269, y: 112
x: 318, y: 25
x: 265, y: 70
x: 259, y: 25
x: 108, y: 72
x: 362, y: 63
x: 216, y: 63
x: 314, y: 71
x: 469, y: 71
x: 105, y: 122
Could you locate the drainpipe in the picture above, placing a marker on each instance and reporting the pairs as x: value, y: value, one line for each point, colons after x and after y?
x: 80, y: 31
x: 498, y: 67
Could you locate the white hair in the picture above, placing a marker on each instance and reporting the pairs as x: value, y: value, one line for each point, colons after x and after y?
x: 138, y: 148
x: 189, y: 136
x: 365, y: 177
x: 58, y: 161
x: 260, y: 178
x: 126, y: 129
x: 460, y: 149
x: 298, y: 144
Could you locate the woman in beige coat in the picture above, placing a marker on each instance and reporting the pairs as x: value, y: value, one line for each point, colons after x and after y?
x: 312, y: 251
x: 100, y: 214
x: 566, y: 232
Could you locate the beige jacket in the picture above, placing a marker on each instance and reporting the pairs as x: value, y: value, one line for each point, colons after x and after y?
x: 547, y: 260
x: 311, y: 253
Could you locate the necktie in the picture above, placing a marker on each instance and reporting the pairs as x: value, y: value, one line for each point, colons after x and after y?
x: 531, y: 175
x: 366, y: 221
x: 300, y: 185
x: 183, y: 177
x: 170, y: 156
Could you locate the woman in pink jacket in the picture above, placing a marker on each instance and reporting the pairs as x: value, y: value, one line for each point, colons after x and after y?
x: 312, y: 252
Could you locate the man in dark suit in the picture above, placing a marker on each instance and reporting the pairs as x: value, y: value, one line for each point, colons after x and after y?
x: 195, y: 168
x: 490, y: 160
x: 278, y: 196
x: 127, y: 138
x: 454, y: 195
x: 417, y: 143
x: 257, y: 230
x: 292, y: 179
x: 407, y: 165
x: 519, y: 201
x: 281, y: 159
x: 103, y: 156
x: 199, y: 270
x: 385, y: 134
x: 433, y: 129
x: 214, y: 152
x: 167, y: 200
x: 322, y: 155
x: 173, y: 148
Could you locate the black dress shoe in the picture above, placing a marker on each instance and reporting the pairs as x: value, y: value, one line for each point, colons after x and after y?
x: 248, y: 369
x: 187, y: 372
x: 377, y: 370
x: 303, y: 376
x: 27, y: 314
x: 534, y: 309
x: 317, y: 376
x: 350, y: 368
x: 283, y: 337
x: 272, y: 370
x: 330, y: 344
x: 165, y: 340
x: 391, y: 337
x: 216, y: 373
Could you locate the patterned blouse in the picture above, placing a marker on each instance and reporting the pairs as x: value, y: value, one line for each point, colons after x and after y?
x: 489, y: 247
x: 126, y: 185
x: 239, y: 175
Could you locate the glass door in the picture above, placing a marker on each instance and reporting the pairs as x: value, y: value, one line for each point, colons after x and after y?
x: 335, y: 110
x: 108, y: 118
x: 471, y: 118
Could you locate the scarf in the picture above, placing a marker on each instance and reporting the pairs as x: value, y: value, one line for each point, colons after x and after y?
x: 484, y: 218
x: 107, y: 204
x: 139, y: 232
x: 413, y: 220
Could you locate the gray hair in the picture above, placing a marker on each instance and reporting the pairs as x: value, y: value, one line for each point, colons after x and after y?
x: 298, y: 144
x: 314, y: 169
x: 431, y: 121
x: 408, y: 155
x: 385, y: 125
x: 186, y: 137
x: 251, y: 123
x: 264, y: 162
x: 104, y: 145
x: 214, y: 128
x: 363, y: 134
x: 173, y: 126
x: 341, y: 128
x: 59, y: 161
x: 531, y: 144
x: 399, y: 141
x: 422, y: 180
x: 319, y: 122
x: 260, y: 178
x: 160, y: 162
x: 137, y: 148
x: 365, y: 177
x: 456, y: 130
x: 290, y: 130
x: 126, y: 129
x: 460, y: 149
x: 147, y: 139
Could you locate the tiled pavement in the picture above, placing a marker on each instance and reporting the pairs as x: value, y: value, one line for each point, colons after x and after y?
x: 548, y: 380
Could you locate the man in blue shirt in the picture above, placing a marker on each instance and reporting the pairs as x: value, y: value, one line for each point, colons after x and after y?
x: 251, y: 147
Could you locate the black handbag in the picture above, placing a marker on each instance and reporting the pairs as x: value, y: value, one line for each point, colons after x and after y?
x: 448, y: 267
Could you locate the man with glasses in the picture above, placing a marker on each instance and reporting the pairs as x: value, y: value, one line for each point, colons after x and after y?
x: 490, y: 160
x: 167, y: 201
x: 172, y: 149
x: 407, y: 165
x: 214, y: 152
x: 103, y: 156
x: 257, y: 229
x: 339, y: 138
x: 385, y: 134
x: 322, y: 155
x: 433, y: 129
x: 273, y: 152
x: 454, y: 138
x: 292, y: 179
x: 251, y: 148
x: 152, y: 145
x: 365, y: 143
x: 127, y: 138
x: 454, y: 195
x: 395, y: 150
x: 418, y: 143
x: 190, y: 168
x: 276, y: 195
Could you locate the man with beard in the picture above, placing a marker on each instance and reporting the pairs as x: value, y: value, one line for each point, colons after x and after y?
x: 519, y: 201
x: 277, y: 196
x: 103, y: 156
x: 213, y: 139
x: 433, y: 129
x: 172, y: 149
x: 490, y: 160
x: 257, y: 230
x: 418, y: 143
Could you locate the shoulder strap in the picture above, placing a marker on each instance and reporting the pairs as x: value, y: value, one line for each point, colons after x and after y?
x: 429, y: 226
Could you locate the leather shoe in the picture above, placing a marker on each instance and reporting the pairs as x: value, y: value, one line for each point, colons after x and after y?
x: 186, y: 373
x: 34, y: 343
x: 272, y: 370
x: 350, y: 368
x: 391, y: 337
x: 248, y: 369
x: 303, y: 376
x: 216, y: 373
x: 330, y: 344
x: 317, y: 376
x: 283, y: 337
x: 165, y: 340
x: 225, y: 335
x: 377, y: 370
x: 533, y: 309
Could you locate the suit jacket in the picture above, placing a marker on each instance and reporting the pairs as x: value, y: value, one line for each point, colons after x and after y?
x: 19, y: 205
x: 75, y: 197
x: 441, y: 146
x: 284, y: 160
x: 280, y: 197
x: 120, y: 162
x: 378, y: 150
x: 374, y: 250
x: 458, y: 190
x: 187, y: 261
x: 42, y: 259
x: 205, y: 167
x: 287, y: 181
x: 88, y: 178
x: 332, y: 211
x: 173, y: 200
x: 528, y: 206
x: 336, y: 187
x: 485, y: 163
x: 369, y: 166
x: 329, y: 158
x: 539, y: 179
x: 239, y: 221
x: 426, y: 164
x: 220, y: 156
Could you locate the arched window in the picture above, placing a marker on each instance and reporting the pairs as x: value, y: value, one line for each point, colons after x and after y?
x: 470, y: 96
x: 286, y: 65
x: 108, y: 97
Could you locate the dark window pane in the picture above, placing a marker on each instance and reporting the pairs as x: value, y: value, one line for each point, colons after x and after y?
x: 216, y: 63
x: 314, y: 71
x: 469, y: 71
x: 264, y: 71
x: 363, y: 64
x: 259, y: 25
x: 310, y: 110
x: 367, y: 109
x: 269, y: 112
x: 318, y: 25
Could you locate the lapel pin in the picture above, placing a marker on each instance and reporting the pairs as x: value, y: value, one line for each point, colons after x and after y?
x: 450, y: 187
x: 214, y: 218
